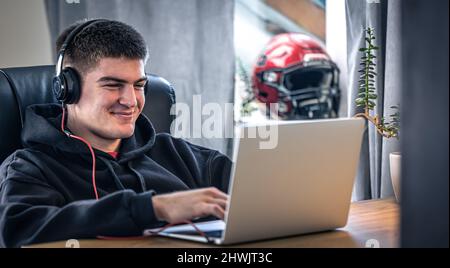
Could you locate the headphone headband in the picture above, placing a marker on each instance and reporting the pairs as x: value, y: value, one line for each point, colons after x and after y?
x: 66, y: 84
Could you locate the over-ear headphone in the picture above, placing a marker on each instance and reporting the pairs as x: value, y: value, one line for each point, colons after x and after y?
x: 66, y: 83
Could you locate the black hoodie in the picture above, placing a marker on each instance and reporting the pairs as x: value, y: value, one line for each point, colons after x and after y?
x: 46, y: 190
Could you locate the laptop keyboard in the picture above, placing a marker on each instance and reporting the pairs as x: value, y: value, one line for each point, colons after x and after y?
x: 216, y: 234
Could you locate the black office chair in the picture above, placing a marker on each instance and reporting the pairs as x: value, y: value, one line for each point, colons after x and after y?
x: 24, y: 86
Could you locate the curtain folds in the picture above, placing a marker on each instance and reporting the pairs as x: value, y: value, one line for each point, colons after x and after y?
x: 373, y: 176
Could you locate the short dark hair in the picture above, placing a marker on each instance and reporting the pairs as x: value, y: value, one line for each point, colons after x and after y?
x: 100, y: 40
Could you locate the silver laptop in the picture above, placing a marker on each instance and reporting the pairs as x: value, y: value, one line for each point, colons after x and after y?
x: 302, y: 185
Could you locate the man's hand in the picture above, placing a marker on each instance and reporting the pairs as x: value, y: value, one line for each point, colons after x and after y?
x: 187, y: 205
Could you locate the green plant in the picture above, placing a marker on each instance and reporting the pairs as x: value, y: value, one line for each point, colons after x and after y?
x: 248, y: 101
x: 366, y: 90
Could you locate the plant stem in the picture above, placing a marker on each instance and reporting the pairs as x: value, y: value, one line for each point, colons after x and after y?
x: 375, y: 121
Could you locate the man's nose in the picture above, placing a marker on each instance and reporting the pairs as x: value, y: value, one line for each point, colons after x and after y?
x: 128, y: 96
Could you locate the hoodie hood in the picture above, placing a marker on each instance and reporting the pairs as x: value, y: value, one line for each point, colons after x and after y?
x: 42, y: 126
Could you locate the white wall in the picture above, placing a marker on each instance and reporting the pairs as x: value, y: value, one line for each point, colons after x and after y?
x: 336, y: 43
x: 24, y: 34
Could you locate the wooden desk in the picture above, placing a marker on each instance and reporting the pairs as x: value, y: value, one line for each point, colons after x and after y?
x: 373, y: 219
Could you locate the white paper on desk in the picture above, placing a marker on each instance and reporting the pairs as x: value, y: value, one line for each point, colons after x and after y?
x: 189, y: 229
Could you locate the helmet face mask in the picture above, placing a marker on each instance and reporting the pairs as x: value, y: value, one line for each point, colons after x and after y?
x: 295, y: 72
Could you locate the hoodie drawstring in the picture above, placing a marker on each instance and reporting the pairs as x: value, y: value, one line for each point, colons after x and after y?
x: 116, y: 178
x: 139, y: 175
x: 111, y: 170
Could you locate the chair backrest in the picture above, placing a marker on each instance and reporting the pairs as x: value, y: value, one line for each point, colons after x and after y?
x: 24, y: 86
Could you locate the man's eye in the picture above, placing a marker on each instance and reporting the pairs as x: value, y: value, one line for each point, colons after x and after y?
x: 113, y: 85
x: 140, y: 87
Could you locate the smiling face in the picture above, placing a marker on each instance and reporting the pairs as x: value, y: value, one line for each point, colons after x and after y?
x: 112, y: 98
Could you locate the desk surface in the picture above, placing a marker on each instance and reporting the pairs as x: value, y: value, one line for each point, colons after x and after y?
x: 376, y: 221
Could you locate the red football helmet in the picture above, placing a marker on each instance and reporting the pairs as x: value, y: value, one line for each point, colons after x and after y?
x: 295, y: 72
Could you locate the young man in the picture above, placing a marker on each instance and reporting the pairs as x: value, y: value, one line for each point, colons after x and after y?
x: 48, y: 190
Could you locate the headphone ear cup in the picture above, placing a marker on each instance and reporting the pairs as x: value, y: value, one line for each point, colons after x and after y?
x: 58, y: 88
x: 71, y: 81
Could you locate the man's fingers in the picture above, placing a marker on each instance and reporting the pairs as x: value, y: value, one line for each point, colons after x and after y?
x: 217, y: 211
x: 222, y: 203
x: 216, y: 193
x: 211, y: 209
x: 190, y: 204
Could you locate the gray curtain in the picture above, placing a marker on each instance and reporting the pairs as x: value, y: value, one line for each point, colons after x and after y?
x: 425, y: 203
x: 190, y: 42
x: 373, y: 176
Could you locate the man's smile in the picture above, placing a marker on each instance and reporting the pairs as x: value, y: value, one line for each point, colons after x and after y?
x: 123, y: 115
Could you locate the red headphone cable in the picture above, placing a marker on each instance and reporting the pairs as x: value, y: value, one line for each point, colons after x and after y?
x: 87, y: 144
